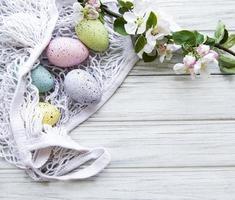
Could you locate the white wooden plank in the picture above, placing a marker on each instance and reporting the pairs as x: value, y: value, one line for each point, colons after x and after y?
x: 200, y: 14
x: 132, y: 184
x: 161, y: 144
x: 171, y: 98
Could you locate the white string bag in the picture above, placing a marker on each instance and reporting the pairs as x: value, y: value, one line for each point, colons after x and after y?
x: 45, y: 152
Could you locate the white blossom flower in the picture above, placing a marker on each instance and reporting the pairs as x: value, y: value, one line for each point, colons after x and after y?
x: 80, y: 12
x: 136, y: 24
x: 203, y: 64
x: 180, y: 68
x: 163, y: 26
x: 198, y: 66
x: 189, y: 60
x: 166, y: 51
x: 187, y: 66
x: 136, y: 18
x: 91, y: 12
x: 152, y: 38
x: 156, y: 35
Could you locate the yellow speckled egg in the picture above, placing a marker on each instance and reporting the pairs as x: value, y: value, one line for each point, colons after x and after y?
x: 50, y: 113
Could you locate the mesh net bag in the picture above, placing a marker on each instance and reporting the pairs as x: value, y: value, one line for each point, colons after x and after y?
x: 45, y: 152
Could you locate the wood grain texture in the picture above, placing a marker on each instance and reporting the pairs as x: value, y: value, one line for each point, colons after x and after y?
x: 171, y: 138
x: 200, y: 14
x: 131, y: 184
x: 171, y: 98
x: 154, y: 144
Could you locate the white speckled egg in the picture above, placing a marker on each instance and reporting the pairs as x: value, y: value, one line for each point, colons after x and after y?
x: 82, y: 87
x: 50, y: 113
x: 66, y: 52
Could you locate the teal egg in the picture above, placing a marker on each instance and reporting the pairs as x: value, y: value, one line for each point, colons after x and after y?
x: 42, y: 79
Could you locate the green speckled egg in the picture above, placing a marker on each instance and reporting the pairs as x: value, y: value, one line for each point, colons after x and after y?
x: 93, y: 34
x: 42, y: 79
x: 50, y: 113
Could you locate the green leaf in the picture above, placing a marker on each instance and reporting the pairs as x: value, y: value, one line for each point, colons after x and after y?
x: 122, y: 10
x: 149, y: 58
x: 82, y: 2
x: 210, y: 41
x: 152, y: 20
x: 225, y: 37
x: 200, y: 39
x: 126, y: 4
x: 119, y: 26
x: 185, y: 37
x: 101, y: 17
x: 220, y: 32
x: 230, y: 42
x: 227, y: 60
x: 140, y: 43
x: 227, y: 64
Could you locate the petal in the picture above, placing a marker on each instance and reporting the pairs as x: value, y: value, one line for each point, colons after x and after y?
x: 202, y: 50
x: 180, y: 68
x: 173, y: 47
x: 142, y: 28
x: 149, y: 33
x: 148, y: 48
x: 162, y: 58
x: 197, y: 67
x: 77, y: 7
x: 159, y: 36
x: 78, y: 17
x: 140, y: 54
x: 189, y: 60
x: 163, y: 27
x: 151, y: 41
x: 131, y: 28
x: 129, y: 17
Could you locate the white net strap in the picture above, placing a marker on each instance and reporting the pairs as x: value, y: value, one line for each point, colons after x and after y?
x: 92, y: 161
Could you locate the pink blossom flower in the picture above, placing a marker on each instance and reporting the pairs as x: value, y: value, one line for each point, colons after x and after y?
x: 95, y: 3
x: 202, y: 50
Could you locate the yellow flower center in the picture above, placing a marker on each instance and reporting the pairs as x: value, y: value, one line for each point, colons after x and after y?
x: 139, y: 21
x: 154, y: 31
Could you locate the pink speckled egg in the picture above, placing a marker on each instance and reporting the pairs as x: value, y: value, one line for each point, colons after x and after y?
x: 66, y: 52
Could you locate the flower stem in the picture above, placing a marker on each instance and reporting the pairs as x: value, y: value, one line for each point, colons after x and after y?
x: 225, y: 49
x: 110, y: 12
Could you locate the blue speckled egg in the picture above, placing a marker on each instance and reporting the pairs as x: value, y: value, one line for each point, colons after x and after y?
x: 82, y: 87
x: 42, y: 79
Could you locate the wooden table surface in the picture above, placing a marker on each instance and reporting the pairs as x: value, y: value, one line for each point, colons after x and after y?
x: 171, y: 138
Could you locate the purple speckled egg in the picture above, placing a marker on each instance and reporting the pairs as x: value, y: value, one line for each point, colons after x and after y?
x: 66, y: 52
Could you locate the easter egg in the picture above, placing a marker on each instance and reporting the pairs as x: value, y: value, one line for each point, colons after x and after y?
x: 50, y: 113
x: 93, y: 34
x: 66, y: 52
x: 42, y: 79
x: 82, y: 87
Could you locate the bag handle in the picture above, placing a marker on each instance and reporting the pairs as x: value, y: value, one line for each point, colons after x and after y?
x: 100, y: 157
